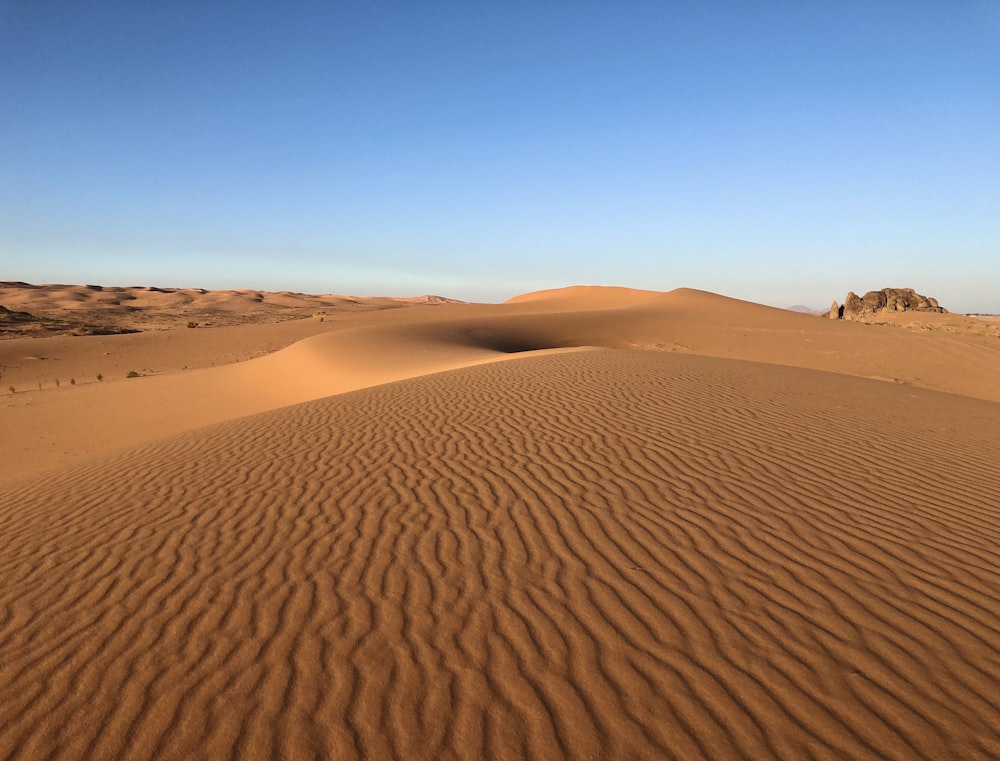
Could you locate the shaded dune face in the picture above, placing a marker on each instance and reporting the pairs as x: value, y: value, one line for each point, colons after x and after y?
x: 69, y: 398
x: 683, y: 320
x: 609, y: 554
x: 511, y: 340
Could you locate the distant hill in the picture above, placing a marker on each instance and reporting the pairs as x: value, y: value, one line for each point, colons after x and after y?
x: 54, y: 309
x: 801, y: 308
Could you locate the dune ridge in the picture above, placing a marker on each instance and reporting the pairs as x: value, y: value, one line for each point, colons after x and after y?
x: 350, y: 351
x: 601, y: 554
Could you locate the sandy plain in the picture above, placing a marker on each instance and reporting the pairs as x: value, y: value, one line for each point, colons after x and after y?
x: 587, y: 523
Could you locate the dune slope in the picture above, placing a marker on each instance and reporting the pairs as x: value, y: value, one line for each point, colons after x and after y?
x: 604, y: 554
x: 56, y: 426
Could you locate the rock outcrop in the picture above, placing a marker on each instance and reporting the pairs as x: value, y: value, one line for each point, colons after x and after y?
x: 885, y: 301
x: 13, y: 323
x: 9, y: 315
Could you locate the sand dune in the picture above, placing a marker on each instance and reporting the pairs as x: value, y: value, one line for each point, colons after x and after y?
x: 197, y: 377
x: 577, y: 525
x: 100, y: 310
x: 587, y: 555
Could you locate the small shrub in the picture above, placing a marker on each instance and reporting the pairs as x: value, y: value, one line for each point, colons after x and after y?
x: 100, y: 377
x: 57, y: 383
x: 72, y: 381
x: 11, y: 389
x: 192, y: 324
x: 133, y: 374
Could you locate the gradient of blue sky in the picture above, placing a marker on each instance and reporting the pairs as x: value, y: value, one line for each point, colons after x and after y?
x: 781, y: 152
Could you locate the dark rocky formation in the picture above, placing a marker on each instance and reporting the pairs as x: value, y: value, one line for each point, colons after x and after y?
x: 9, y: 315
x: 885, y: 301
x: 852, y: 306
x: 13, y: 323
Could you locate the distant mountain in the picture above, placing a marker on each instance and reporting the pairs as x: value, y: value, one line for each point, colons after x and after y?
x: 801, y: 308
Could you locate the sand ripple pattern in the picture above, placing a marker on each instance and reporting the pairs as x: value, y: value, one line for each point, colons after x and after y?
x: 605, y: 554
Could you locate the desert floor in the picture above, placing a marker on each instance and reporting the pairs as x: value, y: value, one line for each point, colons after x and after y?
x: 593, y: 523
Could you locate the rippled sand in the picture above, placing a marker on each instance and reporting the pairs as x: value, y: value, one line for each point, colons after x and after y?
x: 626, y: 551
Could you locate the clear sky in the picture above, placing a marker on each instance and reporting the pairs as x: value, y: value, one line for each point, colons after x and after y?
x: 781, y: 152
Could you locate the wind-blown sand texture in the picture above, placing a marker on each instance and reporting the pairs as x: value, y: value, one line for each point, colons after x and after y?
x: 627, y: 552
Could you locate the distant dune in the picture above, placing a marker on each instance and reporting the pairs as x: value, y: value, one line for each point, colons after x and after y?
x: 96, y: 309
x: 586, y: 523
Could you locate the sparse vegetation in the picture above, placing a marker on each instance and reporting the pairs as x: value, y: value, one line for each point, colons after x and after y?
x: 72, y: 381
x: 100, y: 377
x: 57, y: 383
x: 133, y: 374
x: 192, y: 324
x: 11, y: 389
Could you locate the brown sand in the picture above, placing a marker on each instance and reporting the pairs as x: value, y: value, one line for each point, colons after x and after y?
x: 49, y: 310
x: 625, y: 552
x: 55, y: 426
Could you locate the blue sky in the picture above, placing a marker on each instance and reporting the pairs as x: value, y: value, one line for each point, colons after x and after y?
x: 781, y: 152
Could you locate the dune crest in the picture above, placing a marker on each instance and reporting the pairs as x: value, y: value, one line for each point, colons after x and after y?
x: 589, y: 296
x: 199, y: 377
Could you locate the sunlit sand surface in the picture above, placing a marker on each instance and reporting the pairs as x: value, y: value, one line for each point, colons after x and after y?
x: 588, y: 523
